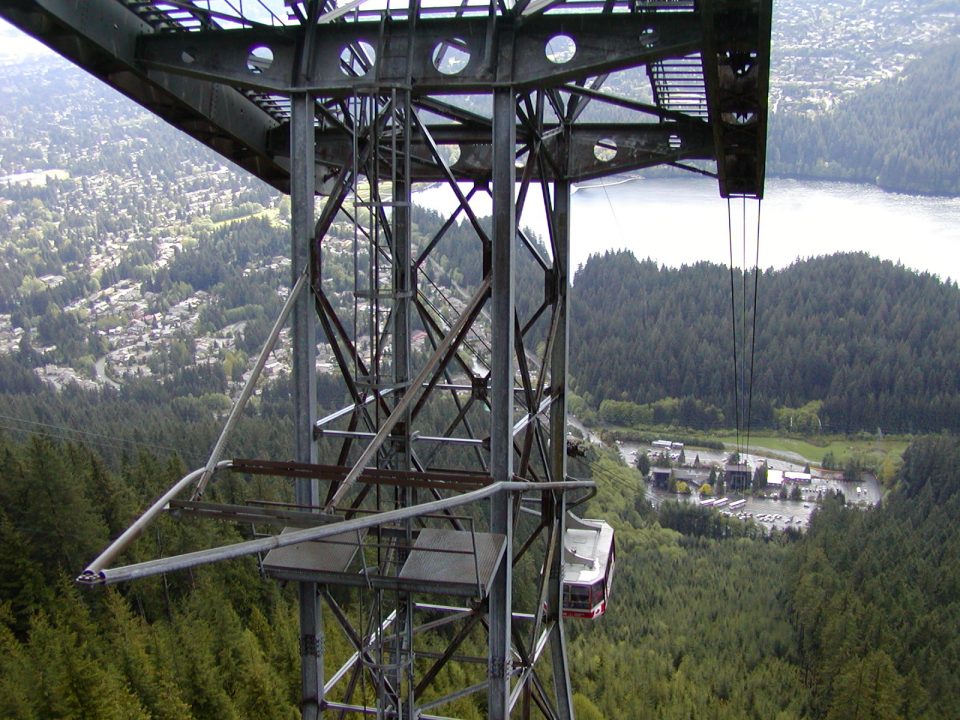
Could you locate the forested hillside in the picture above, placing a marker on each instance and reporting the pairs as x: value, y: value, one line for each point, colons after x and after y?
x: 871, y: 344
x: 221, y: 643
x: 875, y: 597
x: 856, y: 620
x: 900, y: 134
x: 696, y: 626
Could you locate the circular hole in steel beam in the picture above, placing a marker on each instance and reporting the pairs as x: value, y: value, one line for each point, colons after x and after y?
x: 450, y: 154
x: 605, y: 150
x: 451, y: 56
x: 259, y: 59
x: 560, y: 49
x: 356, y: 59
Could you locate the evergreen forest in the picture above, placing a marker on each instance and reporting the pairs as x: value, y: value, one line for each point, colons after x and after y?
x: 899, y: 134
x: 856, y: 342
x: 855, y: 619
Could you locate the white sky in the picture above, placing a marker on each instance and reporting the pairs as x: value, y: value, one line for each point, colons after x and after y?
x: 16, y: 47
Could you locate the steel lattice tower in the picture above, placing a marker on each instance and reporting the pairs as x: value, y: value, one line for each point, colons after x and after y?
x: 359, y: 103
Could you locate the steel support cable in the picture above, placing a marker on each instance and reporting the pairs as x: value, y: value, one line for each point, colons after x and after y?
x: 623, y: 483
x: 733, y: 319
x: 451, y: 428
x: 435, y: 333
x: 424, y: 303
x: 446, y: 298
x: 453, y: 340
x: 753, y: 336
x: 743, y: 318
x: 743, y: 315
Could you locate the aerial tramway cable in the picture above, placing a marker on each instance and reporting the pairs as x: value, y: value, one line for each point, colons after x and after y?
x: 743, y: 322
x: 742, y: 377
x: 753, y: 332
x: 733, y: 319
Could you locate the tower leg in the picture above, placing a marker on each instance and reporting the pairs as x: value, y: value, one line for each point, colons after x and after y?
x: 501, y: 392
x: 303, y: 319
x: 558, y: 443
x: 403, y: 459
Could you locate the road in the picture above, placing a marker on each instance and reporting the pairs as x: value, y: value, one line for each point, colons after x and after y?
x: 100, y: 372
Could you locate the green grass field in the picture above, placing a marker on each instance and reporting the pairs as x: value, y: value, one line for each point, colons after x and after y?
x: 873, y: 450
x: 870, y: 450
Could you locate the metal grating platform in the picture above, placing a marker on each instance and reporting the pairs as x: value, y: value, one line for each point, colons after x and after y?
x: 317, y: 558
x: 445, y: 562
x: 453, y: 562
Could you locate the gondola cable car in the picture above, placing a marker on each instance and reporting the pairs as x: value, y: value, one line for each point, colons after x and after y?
x: 589, y: 557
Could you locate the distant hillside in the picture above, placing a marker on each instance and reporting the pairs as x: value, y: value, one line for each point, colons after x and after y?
x: 868, y: 343
x: 900, y: 134
x: 874, y: 596
x: 827, y: 51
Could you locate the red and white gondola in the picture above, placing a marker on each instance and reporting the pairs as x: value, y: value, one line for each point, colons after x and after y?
x: 589, y: 557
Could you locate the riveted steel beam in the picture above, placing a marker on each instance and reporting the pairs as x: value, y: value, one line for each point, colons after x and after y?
x: 228, y: 88
x: 593, y: 150
x: 370, y: 57
x: 101, y: 38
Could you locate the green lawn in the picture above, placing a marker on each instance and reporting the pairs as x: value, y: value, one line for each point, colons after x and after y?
x: 266, y: 212
x: 869, y: 449
x: 842, y: 447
